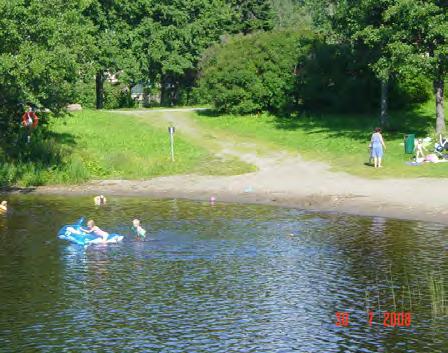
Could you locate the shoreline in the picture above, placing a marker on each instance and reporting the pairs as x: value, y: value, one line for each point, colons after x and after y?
x: 348, y: 203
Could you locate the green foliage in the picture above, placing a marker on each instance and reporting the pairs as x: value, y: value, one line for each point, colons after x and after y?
x: 290, y: 14
x: 170, y: 39
x: 406, y: 39
x: 252, y: 15
x: 45, y: 44
x: 251, y: 73
x: 408, y: 91
x: 117, y: 96
x: 85, y: 93
x: 334, y: 77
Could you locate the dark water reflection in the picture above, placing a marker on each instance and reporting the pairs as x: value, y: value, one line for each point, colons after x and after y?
x: 228, y: 278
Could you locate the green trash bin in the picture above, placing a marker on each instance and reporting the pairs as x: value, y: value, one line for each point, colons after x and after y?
x: 409, y: 141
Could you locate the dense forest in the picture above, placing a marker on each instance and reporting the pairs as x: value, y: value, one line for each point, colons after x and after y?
x: 241, y: 56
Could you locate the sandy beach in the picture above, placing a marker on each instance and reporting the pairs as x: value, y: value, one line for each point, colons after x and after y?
x: 289, y: 181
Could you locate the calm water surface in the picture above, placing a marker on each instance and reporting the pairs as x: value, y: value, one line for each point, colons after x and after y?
x: 223, y: 278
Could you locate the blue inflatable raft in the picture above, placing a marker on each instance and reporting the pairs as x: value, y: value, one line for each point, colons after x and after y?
x: 75, y: 234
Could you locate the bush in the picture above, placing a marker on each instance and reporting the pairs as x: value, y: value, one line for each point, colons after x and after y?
x: 85, y: 94
x: 251, y: 73
x: 410, y: 90
x: 117, y: 96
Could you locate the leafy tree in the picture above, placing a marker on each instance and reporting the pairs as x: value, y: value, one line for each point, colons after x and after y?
x: 322, y: 15
x: 361, y: 23
x: 405, y: 39
x: 114, y: 22
x: 290, y: 14
x: 419, y: 40
x: 172, y: 38
x: 161, y: 42
x: 44, y: 50
x: 252, y: 15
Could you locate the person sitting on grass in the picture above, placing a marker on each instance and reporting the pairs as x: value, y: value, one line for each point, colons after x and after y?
x: 3, y: 206
x: 92, y: 228
x: 138, y: 230
x: 378, y: 147
x: 99, y: 200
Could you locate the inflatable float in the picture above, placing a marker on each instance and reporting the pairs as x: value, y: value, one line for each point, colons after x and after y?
x: 75, y: 234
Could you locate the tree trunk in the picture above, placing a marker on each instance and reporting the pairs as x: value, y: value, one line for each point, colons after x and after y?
x: 440, y: 114
x: 384, y: 118
x: 99, y: 90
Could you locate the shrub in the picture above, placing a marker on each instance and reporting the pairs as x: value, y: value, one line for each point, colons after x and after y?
x: 117, y: 96
x: 251, y: 73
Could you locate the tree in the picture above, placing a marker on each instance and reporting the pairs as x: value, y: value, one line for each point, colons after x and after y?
x: 419, y: 41
x: 290, y: 14
x: 361, y: 21
x: 252, y: 15
x: 171, y: 39
x: 114, y: 22
x: 45, y: 49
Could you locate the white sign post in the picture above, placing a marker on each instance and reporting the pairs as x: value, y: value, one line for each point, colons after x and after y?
x: 171, y: 131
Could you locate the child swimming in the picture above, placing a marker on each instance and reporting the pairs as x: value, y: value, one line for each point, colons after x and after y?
x: 92, y: 228
x: 100, y: 200
x: 138, y: 230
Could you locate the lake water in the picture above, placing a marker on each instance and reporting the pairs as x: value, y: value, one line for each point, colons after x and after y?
x: 223, y: 278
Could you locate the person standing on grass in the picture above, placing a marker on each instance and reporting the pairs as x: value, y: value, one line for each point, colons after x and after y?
x: 378, y: 147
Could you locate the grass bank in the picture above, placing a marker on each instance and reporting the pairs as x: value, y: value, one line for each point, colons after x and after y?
x: 340, y: 140
x: 100, y: 145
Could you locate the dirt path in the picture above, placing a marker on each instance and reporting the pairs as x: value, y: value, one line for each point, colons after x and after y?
x: 282, y: 178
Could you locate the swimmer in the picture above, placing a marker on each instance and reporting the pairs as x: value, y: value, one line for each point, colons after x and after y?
x: 3, y: 206
x: 138, y: 230
x: 100, y: 200
x: 92, y: 228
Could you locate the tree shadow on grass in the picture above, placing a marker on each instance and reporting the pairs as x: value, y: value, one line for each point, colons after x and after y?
x: 359, y: 127
x: 46, y: 148
x: 63, y: 138
x: 209, y: 113
x: 30, y: 162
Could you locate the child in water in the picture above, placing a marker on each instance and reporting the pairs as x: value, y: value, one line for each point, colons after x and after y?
x: 100, y: 200
x: 3, y: 206
x: 92, y: 228
x: 138, y: 230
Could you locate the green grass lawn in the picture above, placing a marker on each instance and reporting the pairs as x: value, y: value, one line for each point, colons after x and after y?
x: 110, y: 145
x: 340, y: 140
x: 102, y: 145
